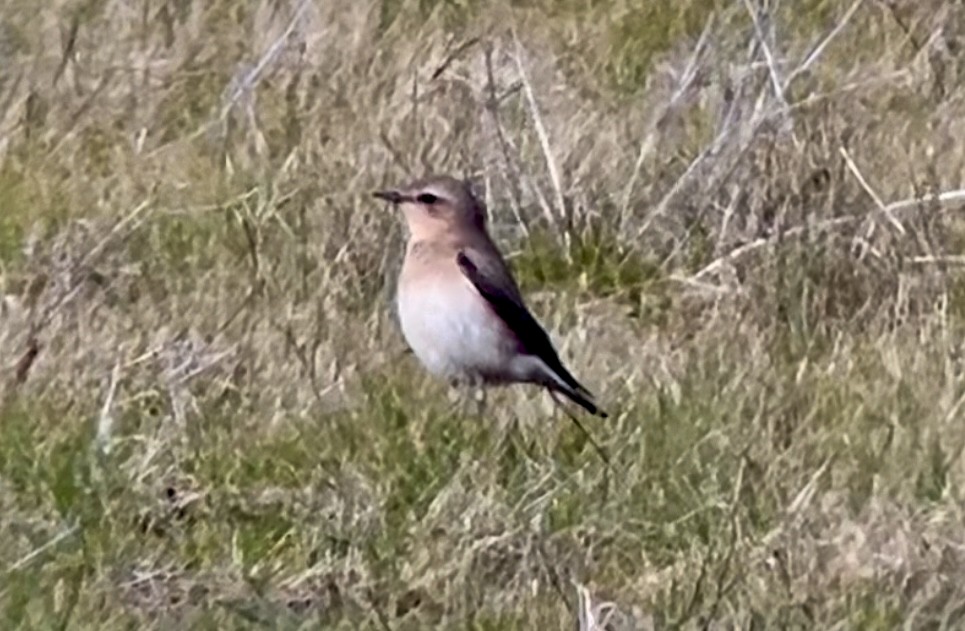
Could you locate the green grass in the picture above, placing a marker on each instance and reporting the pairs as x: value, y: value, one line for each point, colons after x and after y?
x: 644, y: 31
x: 28, y: 203
x: 596, y: 264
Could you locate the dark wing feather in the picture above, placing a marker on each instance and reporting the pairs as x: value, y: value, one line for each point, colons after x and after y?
x: 498, y: 288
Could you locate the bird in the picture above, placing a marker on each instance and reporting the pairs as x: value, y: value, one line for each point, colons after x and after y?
x: 459, y: 308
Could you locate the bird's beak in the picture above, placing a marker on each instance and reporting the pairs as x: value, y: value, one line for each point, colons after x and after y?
x: 393, y: 197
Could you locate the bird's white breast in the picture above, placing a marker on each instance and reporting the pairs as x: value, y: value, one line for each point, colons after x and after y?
x: 451, y: 329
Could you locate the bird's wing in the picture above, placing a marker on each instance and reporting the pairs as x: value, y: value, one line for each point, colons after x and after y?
x: 493, y: 281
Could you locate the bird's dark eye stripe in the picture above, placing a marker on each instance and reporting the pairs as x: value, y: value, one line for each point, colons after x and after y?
x: 427, y: 198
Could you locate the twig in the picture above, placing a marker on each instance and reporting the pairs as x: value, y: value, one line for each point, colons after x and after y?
x: 697, y: 284
x: 492, y: 106
x: 745, y: 136
x: 459, y: 50
x: 804, y: 496
x: 823, y: 44
x: 867, y: 187
x: 592, y: 617
x: 88, y: 256
x: 678, y: 185
x: 208, y: 363
x: 105, y: 422
x: 941, y: 198
x: 64, y: 134
x: 744, y: 139
x: 938, y: 260
x: 740, y: 251
x: 544, y: 142
x: 902, y: 24
x: 776, y: 82
x: 689, y: 74
x: 773, y: 72
x: 904, y: 204
x: 248, y: 82
x: 33, y: 554
x: 819, y: 97
x: 68, y: 48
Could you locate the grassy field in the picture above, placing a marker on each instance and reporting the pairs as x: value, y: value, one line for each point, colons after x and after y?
x: 740, y: 220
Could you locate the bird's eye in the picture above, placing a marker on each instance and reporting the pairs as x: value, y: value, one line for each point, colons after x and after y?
x: 427, y: 198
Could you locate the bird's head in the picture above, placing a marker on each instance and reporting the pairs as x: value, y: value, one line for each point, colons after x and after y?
x: 436, y: 206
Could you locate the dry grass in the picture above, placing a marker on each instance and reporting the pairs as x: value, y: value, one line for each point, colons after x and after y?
x: 742, y: 226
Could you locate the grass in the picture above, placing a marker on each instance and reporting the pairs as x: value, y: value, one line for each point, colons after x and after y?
x: 207, y: 415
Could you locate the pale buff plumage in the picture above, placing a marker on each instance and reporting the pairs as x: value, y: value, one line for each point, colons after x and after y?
x: 459, y: 307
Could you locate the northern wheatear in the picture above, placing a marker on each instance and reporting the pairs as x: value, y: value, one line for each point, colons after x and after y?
x: 460, y: 309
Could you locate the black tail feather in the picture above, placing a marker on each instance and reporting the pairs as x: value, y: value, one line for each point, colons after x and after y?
x: 581, y: 397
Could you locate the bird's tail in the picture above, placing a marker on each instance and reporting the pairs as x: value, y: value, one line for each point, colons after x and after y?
x: 581, y: 396
x: 558, y: 379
